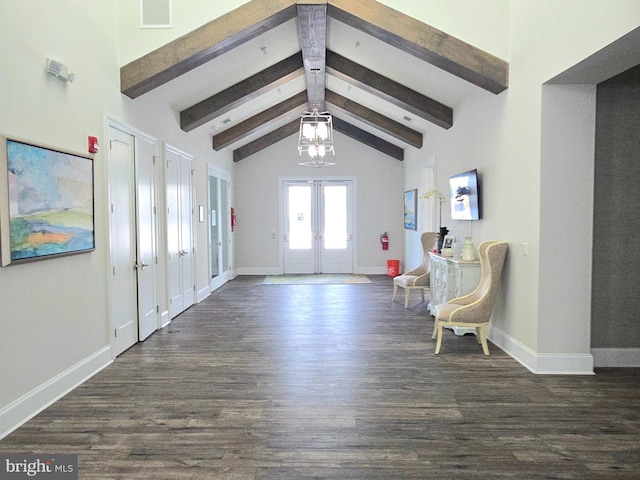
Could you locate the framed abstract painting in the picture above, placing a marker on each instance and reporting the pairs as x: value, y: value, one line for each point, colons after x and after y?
x: 46, y: 202
x: 411, y: 209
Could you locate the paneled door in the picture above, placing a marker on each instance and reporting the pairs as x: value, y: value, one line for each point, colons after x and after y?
x: 146, y: 264
x: 180, y: 245
x: 318, y: 232
x: 132, y: 239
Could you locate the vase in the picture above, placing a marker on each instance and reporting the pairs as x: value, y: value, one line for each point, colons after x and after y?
x: 468, y: 250
x: 441, y: 235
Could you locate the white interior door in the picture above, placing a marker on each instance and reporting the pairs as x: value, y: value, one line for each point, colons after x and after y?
x: 146, y: 264
x: 186, y: 235
x: 318, y: 219
x: 122, y: 241
x: 180, y: 246
x: 132, y: 239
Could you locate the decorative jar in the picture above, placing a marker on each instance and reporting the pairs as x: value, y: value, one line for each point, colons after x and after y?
x: 468, y: 250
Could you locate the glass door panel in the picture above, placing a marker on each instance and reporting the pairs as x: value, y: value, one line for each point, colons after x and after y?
x: 335, y: 217
x: 300, y: 229
x: 219, y: 229
x: 214, y: 225
x: 317, y: 231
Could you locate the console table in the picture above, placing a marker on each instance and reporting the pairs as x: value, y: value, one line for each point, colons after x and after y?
x: 451, y: 278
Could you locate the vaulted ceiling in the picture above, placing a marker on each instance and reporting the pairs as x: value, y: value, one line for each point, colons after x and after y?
x: 247, y: 76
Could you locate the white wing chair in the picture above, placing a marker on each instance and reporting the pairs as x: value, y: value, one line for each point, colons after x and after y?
x: 418, y: 278
x: 474, y: 310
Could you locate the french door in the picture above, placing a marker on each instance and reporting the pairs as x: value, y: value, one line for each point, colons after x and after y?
x: 219, y: 228
x: 318, y: 226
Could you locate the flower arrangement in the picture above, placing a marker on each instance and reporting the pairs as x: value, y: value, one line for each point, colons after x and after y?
x: 437, y: 194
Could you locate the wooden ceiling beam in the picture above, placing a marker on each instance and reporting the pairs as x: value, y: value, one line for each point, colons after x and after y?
x: 266, y: 140
x: 374, y: 119
x: 312, y: 29
x: 341, y: 126
x: 389, y: 90
x: 203, y: 44
x: 368, y: 139
x: 424, y: 42
x: 253, y: 124
x: 265, y: 81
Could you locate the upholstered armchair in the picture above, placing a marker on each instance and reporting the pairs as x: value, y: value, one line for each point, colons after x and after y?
x: 475, y: 309
x: 418, y: 278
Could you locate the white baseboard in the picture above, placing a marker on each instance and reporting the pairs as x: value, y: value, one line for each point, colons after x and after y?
x: 543, y: 363
x: 616, y: 357
x: 259, y: 271
x: 203, y: 293
x: 28, y: 406
x: 371, y: 271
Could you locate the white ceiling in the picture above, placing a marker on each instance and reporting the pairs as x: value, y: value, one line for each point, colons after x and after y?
x: 282, y: 42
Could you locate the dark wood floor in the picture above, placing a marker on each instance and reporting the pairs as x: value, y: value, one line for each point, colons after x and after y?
x: 276, y: 382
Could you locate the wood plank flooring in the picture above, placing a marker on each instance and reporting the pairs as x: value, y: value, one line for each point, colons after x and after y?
x: 284, y: 382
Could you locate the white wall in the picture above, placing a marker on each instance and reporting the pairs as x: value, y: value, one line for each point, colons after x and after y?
x: 502, y: 137
x: 187, y: 16
x: 53, y: 313
x: 483, y: 24
x: 379, y: 203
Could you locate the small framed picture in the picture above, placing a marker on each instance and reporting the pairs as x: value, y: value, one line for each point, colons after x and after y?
x: 411, y: 209
x: 448, y: 242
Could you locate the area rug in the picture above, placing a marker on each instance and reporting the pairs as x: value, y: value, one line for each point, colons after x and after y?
x: 320, y: 279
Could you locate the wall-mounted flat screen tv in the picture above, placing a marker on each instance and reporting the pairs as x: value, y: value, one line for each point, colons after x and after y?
x: 465, y: 196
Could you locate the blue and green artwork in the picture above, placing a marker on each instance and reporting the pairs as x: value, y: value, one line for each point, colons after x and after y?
x: 50, y: 202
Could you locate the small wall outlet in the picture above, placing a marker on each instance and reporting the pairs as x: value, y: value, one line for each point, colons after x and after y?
x: 525, y: 249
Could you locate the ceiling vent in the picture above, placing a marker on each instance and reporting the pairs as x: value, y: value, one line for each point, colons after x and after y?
x: 155, y: 13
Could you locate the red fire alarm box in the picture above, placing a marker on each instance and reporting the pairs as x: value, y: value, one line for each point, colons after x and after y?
x: 93, y: 144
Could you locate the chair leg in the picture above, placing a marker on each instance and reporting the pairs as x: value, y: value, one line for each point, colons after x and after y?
x: 395, y: 291
x: 406, y: 297
x: 422, y: 293
x: 482, y: 335
x: 435, y: 328
x: 439, y: 341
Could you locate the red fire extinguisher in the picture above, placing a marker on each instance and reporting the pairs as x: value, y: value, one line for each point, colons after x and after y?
x: 384, y: 241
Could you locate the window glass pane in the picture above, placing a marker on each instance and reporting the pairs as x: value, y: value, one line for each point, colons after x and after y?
x: 335, y: 217
x: 213, y: 222
x: 300, y: 231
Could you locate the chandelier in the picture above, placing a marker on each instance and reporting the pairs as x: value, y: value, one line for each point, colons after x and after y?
x: 316, y: 137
